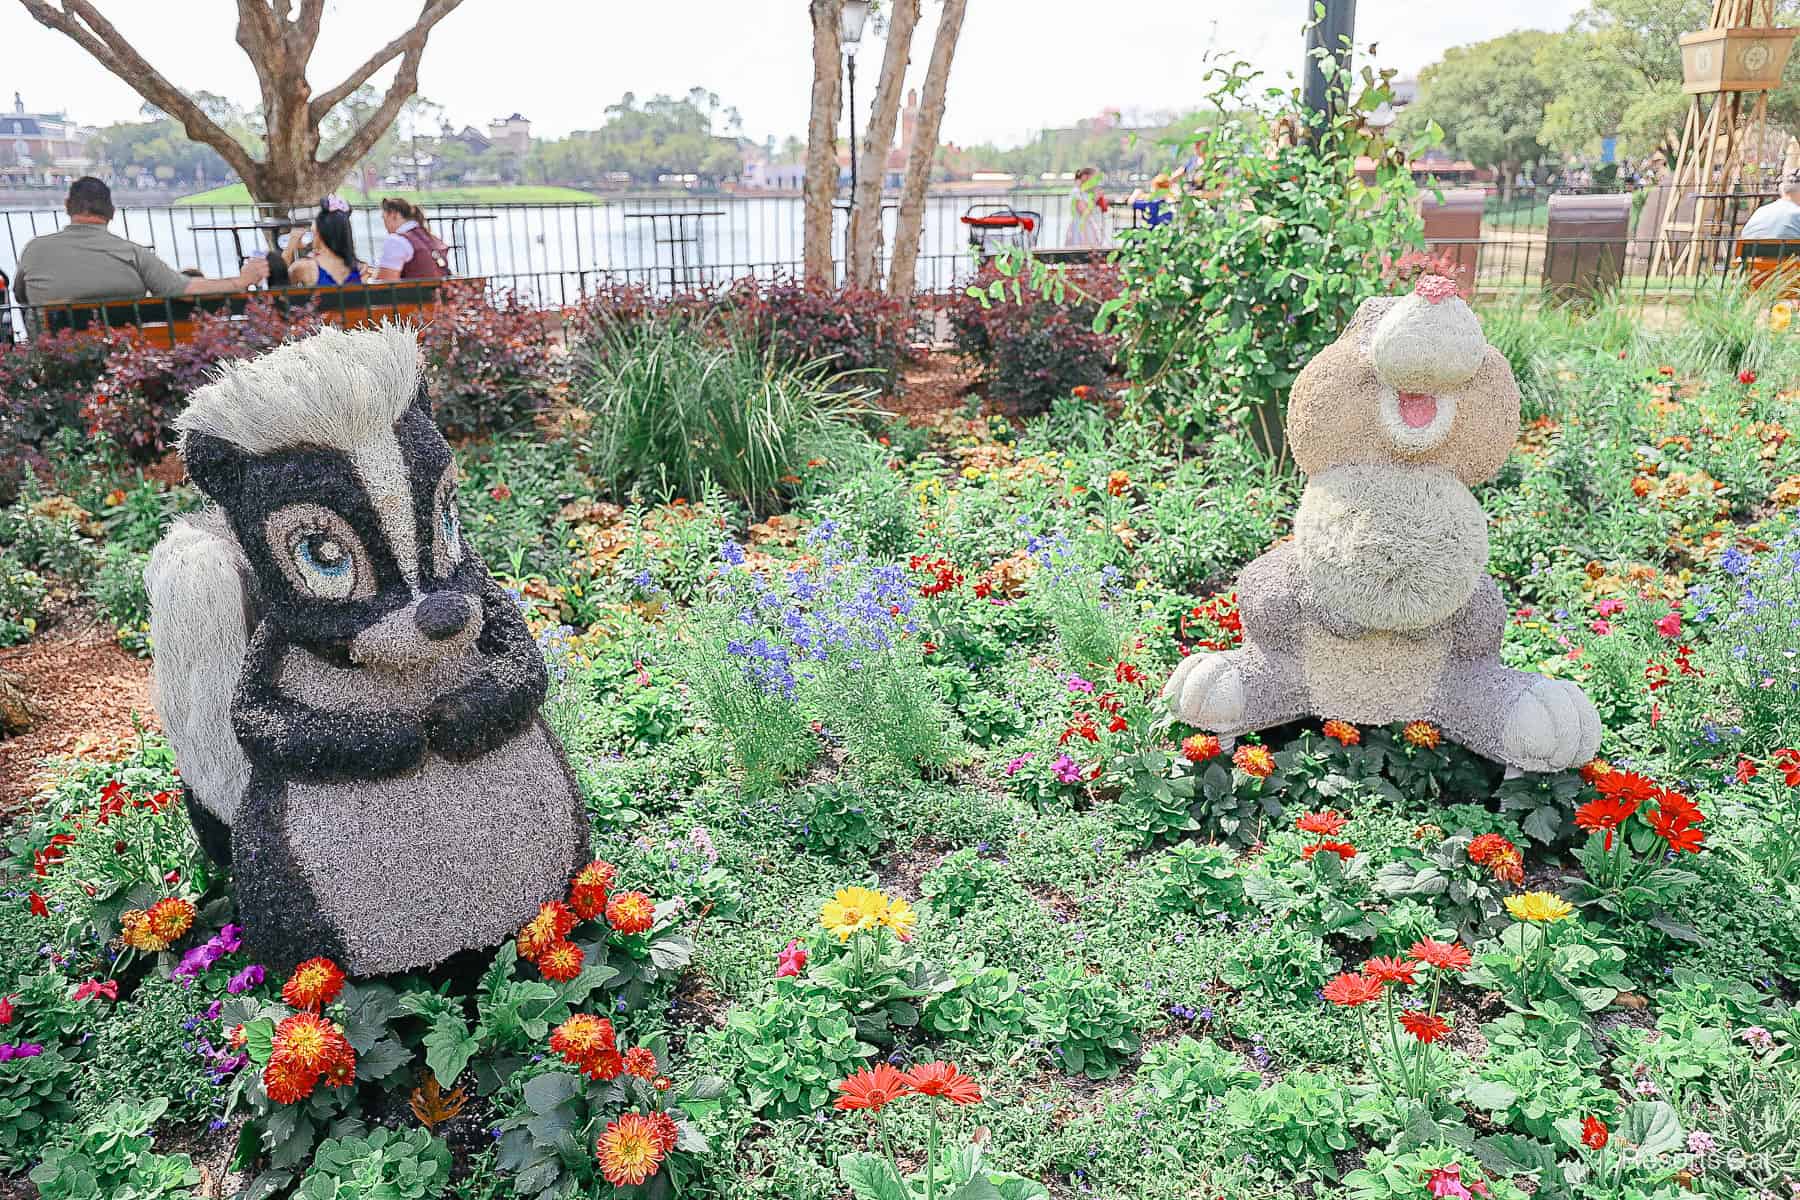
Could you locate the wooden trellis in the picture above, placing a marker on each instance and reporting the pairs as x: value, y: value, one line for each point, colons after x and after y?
x: 1728, y: 69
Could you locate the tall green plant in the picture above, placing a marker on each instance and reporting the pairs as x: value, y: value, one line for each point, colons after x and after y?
x: 1274, y: 241
x: 671, y: 408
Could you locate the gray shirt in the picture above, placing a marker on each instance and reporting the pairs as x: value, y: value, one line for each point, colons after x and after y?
x: 90, y: 262
x: 1775, y: 222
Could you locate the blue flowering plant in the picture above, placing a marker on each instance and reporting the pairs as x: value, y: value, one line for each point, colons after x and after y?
x: 1750, y: 649
x: 823, y: 651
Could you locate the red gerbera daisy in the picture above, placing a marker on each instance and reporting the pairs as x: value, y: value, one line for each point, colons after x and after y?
x: 1679, y: 808
x: 314, y: 984
x: 1427, y: 1027
x: 1352, y: 991
x: 1344, y: 850
x: 631, y: 912
x: 1324, y: 824
x: 1625, y: 785
x: 1442, y: 956
x: 1605, y: 815
x: 1386, y: 969
x: 872, y: 1088
x: 943, y: 1079
x: 1682, y: 837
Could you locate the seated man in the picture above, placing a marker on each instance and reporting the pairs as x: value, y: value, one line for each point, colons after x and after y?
x: 1778, y: 220
x: 84, y: 261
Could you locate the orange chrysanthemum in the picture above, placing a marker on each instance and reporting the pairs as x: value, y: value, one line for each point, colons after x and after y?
x: 551, y: 925
x: 631, y: 912
x: 628, y: 1150
x: 1594, y: 768
x: 1325, y: 824
x: 312, y: 1043
x: 1442, y: 956
x: 1387, y: 969
x: 314, y: 984
x: 153, y: 930
x: 1499, y: 856
x: 1352, y: 991
x: 1343, y: 731
x: 587, y: 895
x: 1427, y: 1027
x: 561, y: 962
x: 286, y: 1082
x: 641, y: 1061
x: 589, y: 1044
x: 1200, y: 747
x: 872, y: 1088
x: 943, y: 1079
x: 1422, y: 734
x: 1254, y: 761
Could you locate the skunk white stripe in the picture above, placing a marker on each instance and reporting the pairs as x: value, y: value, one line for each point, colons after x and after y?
x: 381, y: 468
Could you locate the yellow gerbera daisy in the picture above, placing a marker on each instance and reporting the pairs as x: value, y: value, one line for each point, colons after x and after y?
x: 900, y: 918
x: 852, y: 910
x: 1538, y: 907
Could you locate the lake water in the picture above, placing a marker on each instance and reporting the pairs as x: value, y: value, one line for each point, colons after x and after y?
x: 555, y: 252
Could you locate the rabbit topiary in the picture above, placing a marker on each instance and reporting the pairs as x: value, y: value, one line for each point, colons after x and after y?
x: 1380, y: 608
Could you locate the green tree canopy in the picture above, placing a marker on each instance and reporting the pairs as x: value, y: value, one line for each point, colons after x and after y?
x: 693, y: 135
x: 1489, y: 99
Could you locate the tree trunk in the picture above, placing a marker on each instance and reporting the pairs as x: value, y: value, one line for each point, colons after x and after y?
x: 279, y: 45
x: 924, y: 150
x: 863, y: 259
x: 821, y: 143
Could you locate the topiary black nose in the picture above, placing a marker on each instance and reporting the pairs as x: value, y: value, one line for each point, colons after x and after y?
x: 442, y: 615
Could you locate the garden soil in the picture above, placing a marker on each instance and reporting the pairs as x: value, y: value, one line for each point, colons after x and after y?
x: 88, y: 696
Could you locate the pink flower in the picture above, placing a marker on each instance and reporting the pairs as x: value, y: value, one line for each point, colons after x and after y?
x: 1670, y: 625
x: 791, y: 961
x: 1610, y: 607
x: 6, y: 1009
x: 1447, y: 1181
x: 1076, y: 683
x: 1066, y: 769
x: 1601, y: 627
x: 1018, y: 764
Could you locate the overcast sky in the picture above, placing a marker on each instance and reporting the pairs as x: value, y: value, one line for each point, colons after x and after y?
x: 1021, y: 64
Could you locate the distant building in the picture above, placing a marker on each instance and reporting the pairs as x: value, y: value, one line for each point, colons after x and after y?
x: 510, y: 135
x: 475, y: 140
x: 42, y: 148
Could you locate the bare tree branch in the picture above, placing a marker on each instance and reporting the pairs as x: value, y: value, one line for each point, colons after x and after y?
x: 84, y: 25
x: 410, y: 42
x: 406, y: 82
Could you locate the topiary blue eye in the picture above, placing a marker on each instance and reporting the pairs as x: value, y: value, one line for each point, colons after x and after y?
x: 326, y: 565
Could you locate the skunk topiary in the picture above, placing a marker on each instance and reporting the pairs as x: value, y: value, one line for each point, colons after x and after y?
x: 352, y: 700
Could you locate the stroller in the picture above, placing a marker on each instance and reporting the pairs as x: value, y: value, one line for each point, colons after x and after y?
x: 995, y: 226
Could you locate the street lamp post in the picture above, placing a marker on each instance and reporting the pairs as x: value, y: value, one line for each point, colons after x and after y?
x: 1329, y: 30
x: 850, y: 27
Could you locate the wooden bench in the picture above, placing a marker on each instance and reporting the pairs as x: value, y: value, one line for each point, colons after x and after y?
x: 1763, y: 260
x: 174, y: 320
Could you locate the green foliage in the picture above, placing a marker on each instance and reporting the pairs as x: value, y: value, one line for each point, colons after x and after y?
x: 668, y: 409
x: 1528, y: 1091
x: 790, y: 1049
x: 836, y: 820
x: 383, y: 1165
x: 1184, y: 1074
x: 118, y: 588
x: 1197, y: 877
x: 24, y: 598
x: 1299, y: 1122
x: 963, y: 882
x: 34, y: 1102
x: 1489, y: 100
x: 1089, y: 1030
x: 983, y: 1005
x: 110, y: 1159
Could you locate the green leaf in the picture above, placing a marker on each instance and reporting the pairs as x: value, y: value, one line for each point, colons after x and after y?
x: 448, y: 1047
x: 381, y: 1060
x: 1652, y: 1126
x: 547, y: 1091
x: 869, y: 1177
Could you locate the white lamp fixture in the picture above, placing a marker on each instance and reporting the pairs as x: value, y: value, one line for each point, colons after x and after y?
x: 850, y: 23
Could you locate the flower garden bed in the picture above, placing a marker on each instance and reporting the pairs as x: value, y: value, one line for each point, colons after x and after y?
x: 905, y: 885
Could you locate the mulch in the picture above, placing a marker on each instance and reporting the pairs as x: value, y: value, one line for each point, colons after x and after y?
x: 931, y: 385
x: 85, y: 691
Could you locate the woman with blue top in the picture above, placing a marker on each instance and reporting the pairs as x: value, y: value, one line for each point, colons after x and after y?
x: 332, y: 262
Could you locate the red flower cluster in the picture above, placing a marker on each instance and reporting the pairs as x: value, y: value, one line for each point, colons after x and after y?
x: 314, y: 984
x: 1343, y: 732
x: 631, y: 912
x: 587, y: 894
x: 874, y: 1088
x: 1325, y: 826
x: 1787, y: 761
x: 944, y: 575
x: 632, y: 1148
x: 1501, y: 858
x: 1217, y: 621
x: 1674, y: 820
x: 308, y: 1048
x: 1200, y: 747
x: 1605, y: 815
x: 589, y: 1044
